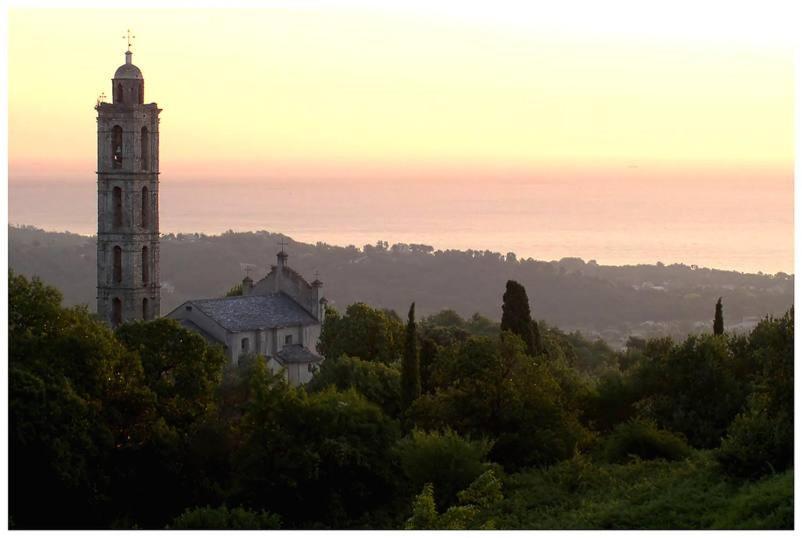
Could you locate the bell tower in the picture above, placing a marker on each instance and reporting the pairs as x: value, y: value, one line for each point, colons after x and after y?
x: 127, y: 200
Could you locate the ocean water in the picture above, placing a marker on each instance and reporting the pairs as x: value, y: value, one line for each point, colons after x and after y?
x: 742, y: 224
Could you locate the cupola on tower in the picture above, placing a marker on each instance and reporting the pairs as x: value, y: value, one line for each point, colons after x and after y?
x: 127, y: 200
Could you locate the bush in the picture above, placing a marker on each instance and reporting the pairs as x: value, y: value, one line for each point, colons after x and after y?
x: 643, y: 439
x: 446, y: 460
x: 225, y: 518
x: 768, y: 504
x: 757, y: 444
x: 378, y: 382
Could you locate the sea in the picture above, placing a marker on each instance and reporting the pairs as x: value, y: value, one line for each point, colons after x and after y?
x: 735, y: 225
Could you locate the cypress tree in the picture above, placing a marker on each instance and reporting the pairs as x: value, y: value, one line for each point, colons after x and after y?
x: 410, y: 369
x: 718, y: 322
x: 515, y: 315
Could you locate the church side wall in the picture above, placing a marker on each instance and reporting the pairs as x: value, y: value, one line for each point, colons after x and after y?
x: 311, y: 336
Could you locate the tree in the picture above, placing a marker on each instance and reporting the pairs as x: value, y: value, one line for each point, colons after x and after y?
x: 77, y: 404
x: 718, y: 322
x: 491, y: 388
x: 446, y: 460
x: 379, y: 383
x: 516, y: 317
x: 365, y: 332
x: 180, y: 368
x: 235, y: 290
x: 410, y: 369
x: 481, y: 495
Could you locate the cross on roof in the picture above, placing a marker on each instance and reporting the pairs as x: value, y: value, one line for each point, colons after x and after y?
x: 129, y: 37
x: 283, y: 244
x: 248, y: 270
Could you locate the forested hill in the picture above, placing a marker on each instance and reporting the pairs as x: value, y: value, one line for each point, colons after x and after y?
x: 607, y: 301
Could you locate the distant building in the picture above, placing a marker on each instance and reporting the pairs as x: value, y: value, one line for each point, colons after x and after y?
x: 127, y: 201
x: 278, y: 317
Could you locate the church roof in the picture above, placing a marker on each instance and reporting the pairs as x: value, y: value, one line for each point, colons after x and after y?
x: 128, y: 71
x: 187, y: 324
x: 297, y: 353
x: 251, y: 312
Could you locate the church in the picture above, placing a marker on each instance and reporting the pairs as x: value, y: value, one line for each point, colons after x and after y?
x: 278, y: 317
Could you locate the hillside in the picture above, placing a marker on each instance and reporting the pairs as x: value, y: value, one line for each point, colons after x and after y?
x: 605, y: 301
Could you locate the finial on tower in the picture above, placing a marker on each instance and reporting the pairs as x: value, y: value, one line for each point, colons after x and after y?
x: 282, y: 256
x: 129, y: 37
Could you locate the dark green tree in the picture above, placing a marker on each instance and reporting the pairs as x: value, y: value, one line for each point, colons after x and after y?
x: 365, y: 332
x: 410, y: 368
x: 379, y: 383
x: 718, y: 322
x: 516, y: 317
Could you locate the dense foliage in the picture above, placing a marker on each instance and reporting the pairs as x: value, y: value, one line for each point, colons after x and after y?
x: 147, y: 427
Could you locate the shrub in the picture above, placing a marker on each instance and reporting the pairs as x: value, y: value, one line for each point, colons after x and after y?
x: 643, y: 439
x: 446, y: 460
x: 757, y: 443
x: 225, y: 518
x: 768, y: 504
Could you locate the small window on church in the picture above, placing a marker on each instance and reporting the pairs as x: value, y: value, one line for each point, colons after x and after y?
x: 145, y: 312
x: 118, y: 265
x: 145, y: 266
x: 116, y: 311
x: 246, y: 345
x: 145, y: 213
x: 141, y: 92
x: 145, y: 141
x: 288, y: 340
x: 117, y: 147
x: 117, y: 202
x: 119, y: 94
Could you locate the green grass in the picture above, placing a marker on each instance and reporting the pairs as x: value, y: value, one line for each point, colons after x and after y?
x: 687, y: 494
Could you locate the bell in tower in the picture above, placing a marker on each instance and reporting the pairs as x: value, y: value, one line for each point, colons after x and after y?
x: 127, y: 200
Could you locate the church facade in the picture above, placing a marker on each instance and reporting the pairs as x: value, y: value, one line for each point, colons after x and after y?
x: 278, y: 317
x: 127, y: 201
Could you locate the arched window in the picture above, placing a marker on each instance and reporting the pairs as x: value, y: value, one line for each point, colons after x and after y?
x: 119, y: 93
x: 145, y: 141
x: 117, y: 147
x: 118, y: 264
x: 116, y: 311
x: 145, y: 266
x: 145, y: 217
x: 145, y: 312
x: 117, y: 207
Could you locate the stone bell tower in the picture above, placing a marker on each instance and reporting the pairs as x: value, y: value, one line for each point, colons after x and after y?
x: 127, y: 200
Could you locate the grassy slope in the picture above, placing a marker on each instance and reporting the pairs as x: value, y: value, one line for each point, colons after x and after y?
x: 690, y: 494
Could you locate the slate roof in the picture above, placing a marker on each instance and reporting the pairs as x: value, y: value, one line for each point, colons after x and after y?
x: 297, y: 353
x: 252, y: 312
x: 188, y: 324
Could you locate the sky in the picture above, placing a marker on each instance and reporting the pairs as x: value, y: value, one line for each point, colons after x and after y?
x: 427, y: 93
x: 341, y: 86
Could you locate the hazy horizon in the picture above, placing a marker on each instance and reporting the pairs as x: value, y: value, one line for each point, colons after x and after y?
x: 549, y: 131
x: 535, y: 219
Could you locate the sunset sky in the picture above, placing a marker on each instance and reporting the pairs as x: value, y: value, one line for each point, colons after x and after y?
x: 368, y: 91
x: 658, y: 98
